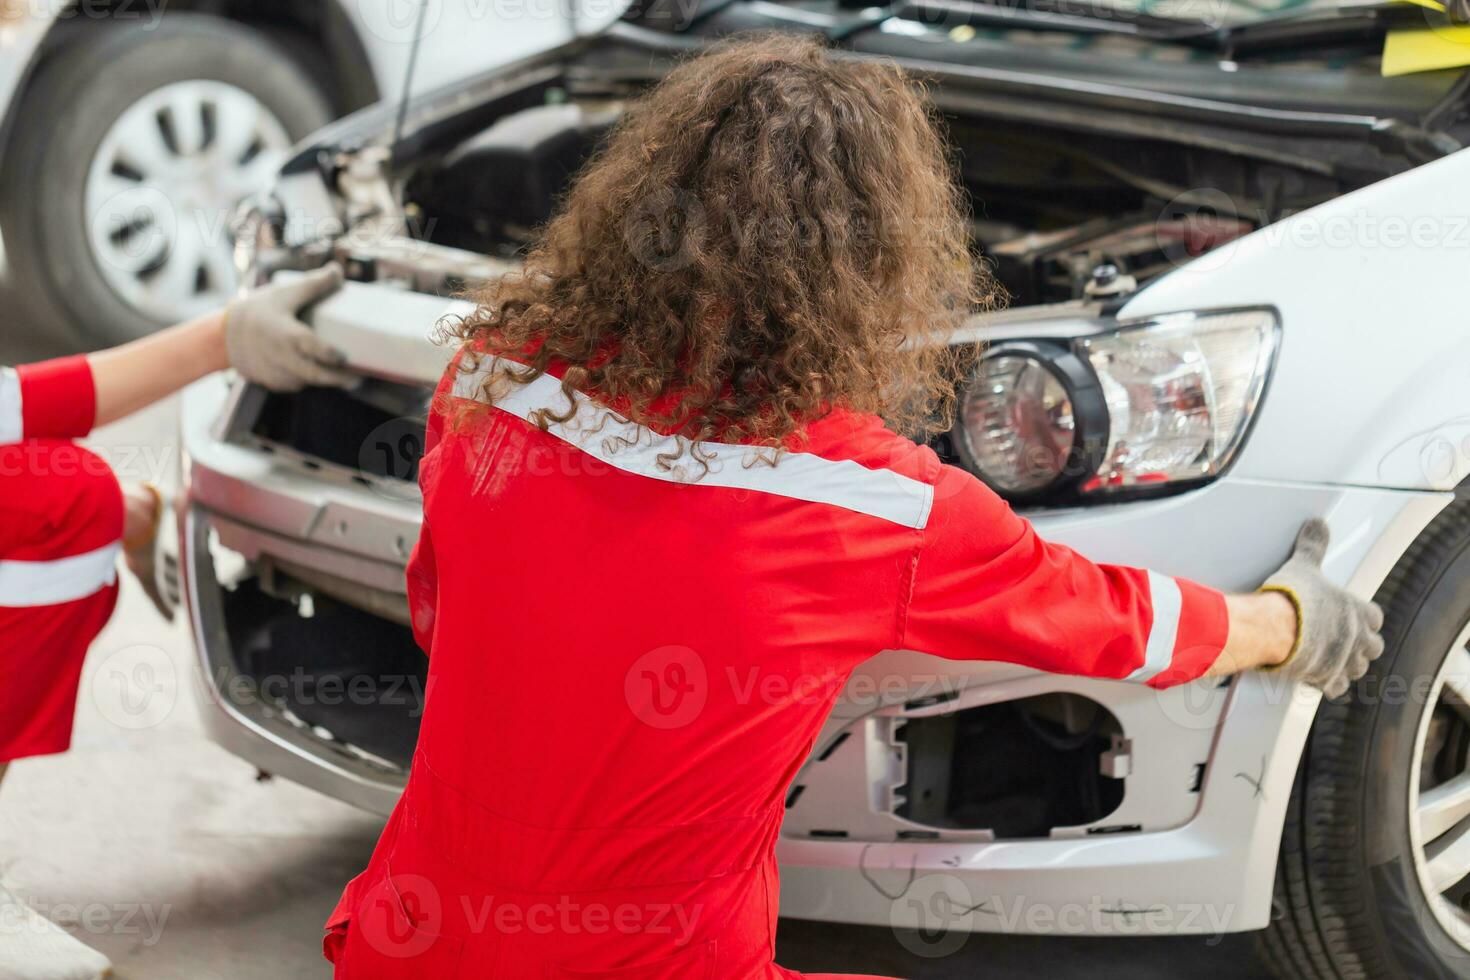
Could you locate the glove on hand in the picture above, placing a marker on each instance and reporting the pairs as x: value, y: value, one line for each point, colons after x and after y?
x: 269, y: 345
x: 1337, y: 633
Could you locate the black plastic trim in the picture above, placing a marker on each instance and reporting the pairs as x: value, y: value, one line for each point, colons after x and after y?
x: 1089, y: 409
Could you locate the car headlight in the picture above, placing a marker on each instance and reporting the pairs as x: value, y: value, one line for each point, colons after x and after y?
x: 1154, y: 405
x: 1032, y: 421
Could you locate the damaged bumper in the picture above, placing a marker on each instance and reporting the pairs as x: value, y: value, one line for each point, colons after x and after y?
x: 294, y: 575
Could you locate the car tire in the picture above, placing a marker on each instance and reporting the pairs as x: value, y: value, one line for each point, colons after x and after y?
x: 77, y: 98
x: 1348, y: 896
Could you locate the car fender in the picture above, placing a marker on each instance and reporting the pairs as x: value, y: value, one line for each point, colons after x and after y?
x: 1367, y: 393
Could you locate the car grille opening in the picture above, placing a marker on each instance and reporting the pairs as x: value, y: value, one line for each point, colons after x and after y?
x: 376, y: 429
x: 346, y: 677
x: 1018, y: 768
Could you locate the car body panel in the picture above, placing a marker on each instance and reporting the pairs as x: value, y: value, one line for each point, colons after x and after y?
x: 388, y: 332
x: 1206, y: 871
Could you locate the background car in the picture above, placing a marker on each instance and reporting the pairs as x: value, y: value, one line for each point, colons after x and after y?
x: 130, y: 130
x: 1210, y: 262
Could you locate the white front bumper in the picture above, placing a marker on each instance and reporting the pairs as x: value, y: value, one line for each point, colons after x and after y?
x: 1200, y: 862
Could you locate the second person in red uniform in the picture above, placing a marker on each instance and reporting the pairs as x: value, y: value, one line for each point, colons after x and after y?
x: 64, y: 521
x: 664, y: 522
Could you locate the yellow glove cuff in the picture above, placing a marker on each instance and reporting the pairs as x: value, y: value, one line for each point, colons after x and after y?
x: 1296, y: 604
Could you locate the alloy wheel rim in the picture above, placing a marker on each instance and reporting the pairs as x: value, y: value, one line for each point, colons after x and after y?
x: 162, y: 187
x: 1439, y: 793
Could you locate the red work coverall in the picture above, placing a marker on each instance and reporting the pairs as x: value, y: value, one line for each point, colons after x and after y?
x: 61, y: 520
x: 627, y: 667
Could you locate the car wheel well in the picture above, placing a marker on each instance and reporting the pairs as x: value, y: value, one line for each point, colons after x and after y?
x: 303, y: 30
x: 1345, y: 902
x: 105, y: 72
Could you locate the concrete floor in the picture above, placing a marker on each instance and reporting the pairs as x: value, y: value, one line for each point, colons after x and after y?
x: 169, y: 855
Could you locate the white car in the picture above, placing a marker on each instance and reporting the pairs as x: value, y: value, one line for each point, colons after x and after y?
x: 1239, y: 302
x: 129, y: 130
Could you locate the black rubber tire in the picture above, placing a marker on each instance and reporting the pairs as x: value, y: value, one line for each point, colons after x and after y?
x: 1348, y: 903
x: 101, y: 69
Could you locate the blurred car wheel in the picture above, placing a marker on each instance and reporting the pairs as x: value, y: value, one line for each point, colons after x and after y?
x: 132, y: 148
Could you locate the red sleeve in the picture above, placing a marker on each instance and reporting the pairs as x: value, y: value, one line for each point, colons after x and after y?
x: 986, y: 587
x: 423, y: 573
x: 57, y: 400
x: 423, y: 590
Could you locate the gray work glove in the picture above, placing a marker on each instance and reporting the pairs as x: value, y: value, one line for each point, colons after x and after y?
x: 1337, y: 633
x: 268, y: 344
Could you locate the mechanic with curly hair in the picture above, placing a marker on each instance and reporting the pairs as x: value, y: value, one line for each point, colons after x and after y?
x: 64, y: 520
x: 665, y: 517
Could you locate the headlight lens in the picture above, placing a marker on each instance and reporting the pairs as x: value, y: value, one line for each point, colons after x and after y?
x: 1149, y: 406
x: 1032, y: 421
x: 1180, y: 392
x: 1017, y: 422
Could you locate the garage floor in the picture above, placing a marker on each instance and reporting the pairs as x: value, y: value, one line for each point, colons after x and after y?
x: 171, y: 856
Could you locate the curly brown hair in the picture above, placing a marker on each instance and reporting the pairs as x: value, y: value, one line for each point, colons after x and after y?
x: 768, y: 233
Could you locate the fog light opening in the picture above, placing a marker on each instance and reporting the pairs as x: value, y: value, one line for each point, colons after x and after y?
x: 1018, y: 768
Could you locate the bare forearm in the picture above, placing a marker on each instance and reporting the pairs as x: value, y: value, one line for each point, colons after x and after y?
x: 1262, y: 632
x: 139, y: 373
